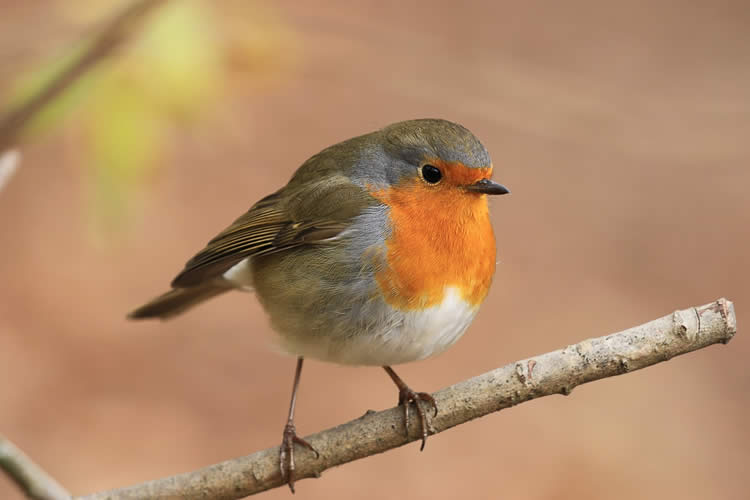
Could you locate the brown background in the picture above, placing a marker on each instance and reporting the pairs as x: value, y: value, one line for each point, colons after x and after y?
x: 622, y: 131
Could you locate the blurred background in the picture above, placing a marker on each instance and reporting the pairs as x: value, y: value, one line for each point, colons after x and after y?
x: 623, y: 130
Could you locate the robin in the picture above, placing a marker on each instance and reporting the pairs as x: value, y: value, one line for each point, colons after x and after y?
x: 377, y: 252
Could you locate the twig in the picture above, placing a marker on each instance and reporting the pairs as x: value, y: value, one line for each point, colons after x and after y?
x: 111, y: 37
x: 556, y: 372
x: 28, y: 475
x: 8, y: 165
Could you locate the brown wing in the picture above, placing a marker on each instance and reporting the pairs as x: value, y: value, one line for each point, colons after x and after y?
x: 278, y: 222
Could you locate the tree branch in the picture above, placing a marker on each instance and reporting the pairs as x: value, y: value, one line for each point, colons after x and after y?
x: 556, y: 372
x: 28, y: 475
x: 9, y: 161
x: 110, y: 37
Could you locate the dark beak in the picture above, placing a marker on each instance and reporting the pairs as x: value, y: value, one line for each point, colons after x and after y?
x: 486, y: 186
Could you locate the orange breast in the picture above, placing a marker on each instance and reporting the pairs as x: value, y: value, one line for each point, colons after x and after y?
x: 441, y: 237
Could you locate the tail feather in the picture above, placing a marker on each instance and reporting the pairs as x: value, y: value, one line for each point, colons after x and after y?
x: 176, y: 301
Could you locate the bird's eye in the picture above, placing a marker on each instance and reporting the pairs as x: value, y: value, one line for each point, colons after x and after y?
x: 431, y: 174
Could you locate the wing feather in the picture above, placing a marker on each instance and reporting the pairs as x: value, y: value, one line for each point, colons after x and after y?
x: 291, y: 217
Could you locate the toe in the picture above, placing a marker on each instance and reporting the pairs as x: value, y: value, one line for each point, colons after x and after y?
x: 427, y: 398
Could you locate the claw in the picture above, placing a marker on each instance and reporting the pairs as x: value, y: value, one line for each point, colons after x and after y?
x: 407, y: 396
x: 286, y: 453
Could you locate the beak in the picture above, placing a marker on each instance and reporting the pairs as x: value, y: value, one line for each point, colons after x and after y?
x: 486, y: 186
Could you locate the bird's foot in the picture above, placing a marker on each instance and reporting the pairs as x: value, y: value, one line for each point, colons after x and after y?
x: 406, y: 396
x: 286, y: 453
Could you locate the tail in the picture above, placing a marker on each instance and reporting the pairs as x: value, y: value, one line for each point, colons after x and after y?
x: 177, y: 300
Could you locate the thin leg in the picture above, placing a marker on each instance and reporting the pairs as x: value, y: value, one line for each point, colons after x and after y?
x: 406, y: 396
x: 286, y: 451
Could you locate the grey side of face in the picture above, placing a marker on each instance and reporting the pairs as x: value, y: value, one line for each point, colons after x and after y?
x: 394, y: 154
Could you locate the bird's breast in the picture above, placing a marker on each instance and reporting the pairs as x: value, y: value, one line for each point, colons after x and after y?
x: 440, y: 240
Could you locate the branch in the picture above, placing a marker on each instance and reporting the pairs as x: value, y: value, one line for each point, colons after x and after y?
x: 9, y: 161
x: 28, y: 475
x: 556, y: 372
x: 110, y: 37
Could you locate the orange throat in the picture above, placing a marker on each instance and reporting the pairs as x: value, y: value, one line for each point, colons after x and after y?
x: 441, y: 238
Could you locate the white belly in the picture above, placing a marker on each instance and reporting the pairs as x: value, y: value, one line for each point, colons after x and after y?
x: 401, y: 337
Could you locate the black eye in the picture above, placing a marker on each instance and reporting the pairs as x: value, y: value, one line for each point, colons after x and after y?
x: 431, y: 174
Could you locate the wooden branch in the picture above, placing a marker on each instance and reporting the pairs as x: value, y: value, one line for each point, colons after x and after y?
x: 556, y: 372
x: 109, y: 38
x: 34, y: 482
x: 9, y: 161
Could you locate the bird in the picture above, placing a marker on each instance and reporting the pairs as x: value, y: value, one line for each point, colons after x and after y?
x: 377, y: 252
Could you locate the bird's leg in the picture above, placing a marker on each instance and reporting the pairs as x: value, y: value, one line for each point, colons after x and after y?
x: 286, y: 451
x: 406, y: 396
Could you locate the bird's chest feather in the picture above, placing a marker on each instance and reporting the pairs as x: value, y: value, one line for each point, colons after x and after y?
x: 441, y: 240
x: 436, y: 270
x: 430, y: 276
